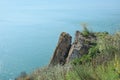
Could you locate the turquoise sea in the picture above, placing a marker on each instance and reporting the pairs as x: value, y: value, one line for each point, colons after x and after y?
x: 27, y: 45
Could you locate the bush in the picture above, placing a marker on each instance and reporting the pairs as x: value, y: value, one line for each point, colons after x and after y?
x: 85, y: 31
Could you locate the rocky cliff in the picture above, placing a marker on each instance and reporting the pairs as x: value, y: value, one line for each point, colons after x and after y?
x: 66, y: 51
x: 62, y: 49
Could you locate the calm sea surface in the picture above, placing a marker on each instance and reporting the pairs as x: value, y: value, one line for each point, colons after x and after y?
x: 27, y: 45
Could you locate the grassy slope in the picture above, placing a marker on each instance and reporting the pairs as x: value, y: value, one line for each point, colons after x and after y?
x: 101, y: 63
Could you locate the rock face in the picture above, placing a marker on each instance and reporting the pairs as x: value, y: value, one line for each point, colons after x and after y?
x: 80, y: 46
x: 62, y: 49
x: 65, y: 51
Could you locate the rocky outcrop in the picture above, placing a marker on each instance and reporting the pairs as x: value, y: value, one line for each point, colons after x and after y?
x: 23, y: 76
x: 80, y: 46
x: 62, y: 49
x: 65, y: 51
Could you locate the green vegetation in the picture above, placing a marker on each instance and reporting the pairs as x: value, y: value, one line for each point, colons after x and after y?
x: 85, y: 31
x: 101, y: 63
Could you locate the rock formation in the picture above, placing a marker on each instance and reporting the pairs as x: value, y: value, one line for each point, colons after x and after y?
x: 65, y: 51
x: 62, y: 49
x: 80, y: 46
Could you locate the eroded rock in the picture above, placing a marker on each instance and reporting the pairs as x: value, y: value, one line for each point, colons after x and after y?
x: 80, y: 46
x: 62, y: 49
x: 65, y: 52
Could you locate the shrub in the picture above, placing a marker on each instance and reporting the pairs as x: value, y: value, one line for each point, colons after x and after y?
x: 85, y: 31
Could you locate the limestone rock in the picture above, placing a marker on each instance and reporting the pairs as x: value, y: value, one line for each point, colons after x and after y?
x: 62, y: 49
